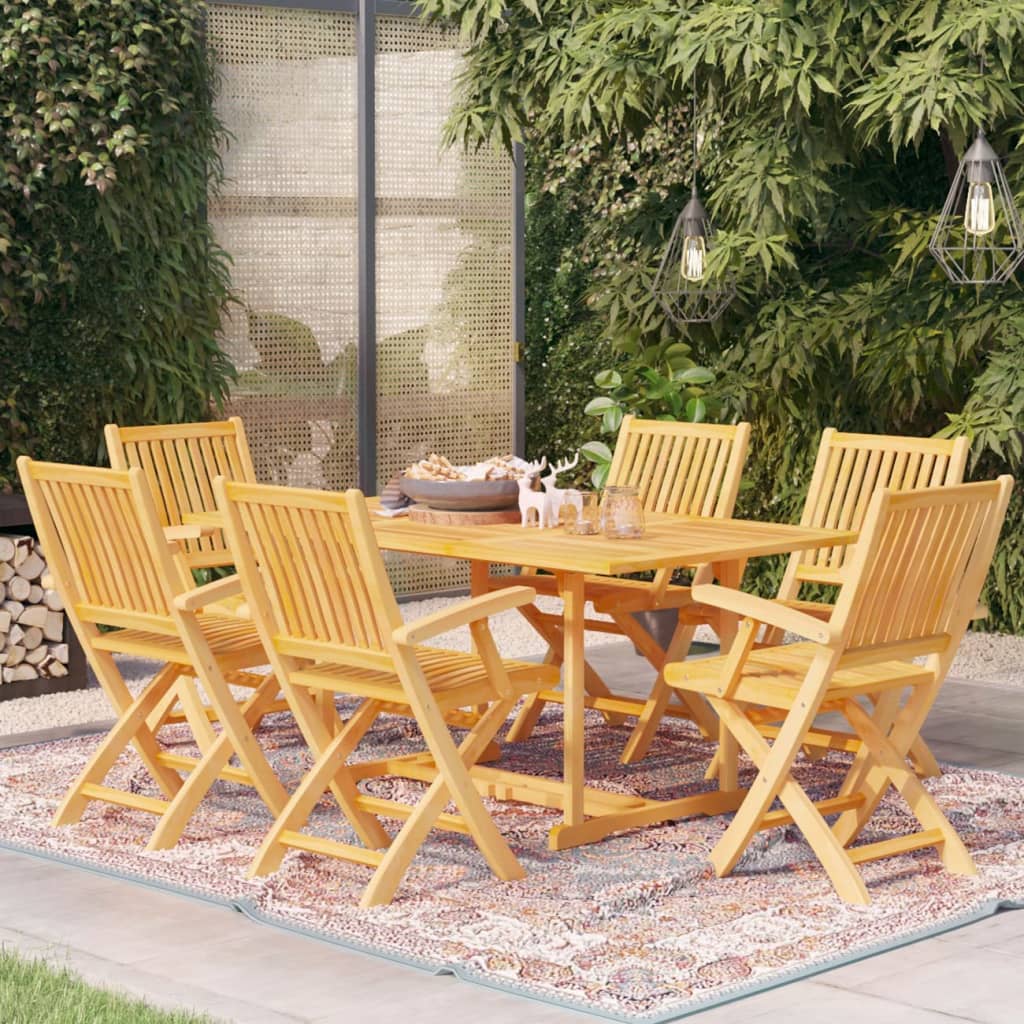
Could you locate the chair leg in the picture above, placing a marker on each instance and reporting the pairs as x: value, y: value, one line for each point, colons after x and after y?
x: 453, y: 782
x: 525, y: 722
x: 315, y: 783
x: 145, y: 742
x: 772, y: 771
x: 953, y: 852
x: 342, y: 786
x: 205, y: 773
x: 653, y: 712
x: 127, y: 729
x: 830, y: 853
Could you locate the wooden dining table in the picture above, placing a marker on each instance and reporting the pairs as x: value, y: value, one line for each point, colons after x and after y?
x: 587, y: 813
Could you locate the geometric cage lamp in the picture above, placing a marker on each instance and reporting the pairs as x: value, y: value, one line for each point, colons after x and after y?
x: 681, y: 286
x: 979, y: 238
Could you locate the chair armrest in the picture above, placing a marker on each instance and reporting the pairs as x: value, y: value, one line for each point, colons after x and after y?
x: 209, y: 593
x: 463, y: 613
x: 772, y: 613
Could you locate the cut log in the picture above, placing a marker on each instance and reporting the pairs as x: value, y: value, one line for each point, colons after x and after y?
x: 5, y: 624
x: 31, y: 567
x: 6, y: 549
x: 36, y: 656
x: 47, y: 581
x: 15, y: 655
x: 22, y: 673
x: 60, y: 652
x: 53, y: 600
x: 33, y: 638
x: 22, y: 549
x: 15, y: 636
x: 35, y: 595
x: 53, y: 668
x: 35, y: 615
x: 53, y: 626
x: 6, y: 571
x: 18, y: 588
x: 13, y: 608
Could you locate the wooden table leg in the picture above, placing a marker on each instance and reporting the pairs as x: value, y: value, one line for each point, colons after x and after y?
x: 728, y: 574
x: 574, y: 684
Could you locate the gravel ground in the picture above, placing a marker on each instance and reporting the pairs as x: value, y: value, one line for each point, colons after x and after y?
x: 984, y: 657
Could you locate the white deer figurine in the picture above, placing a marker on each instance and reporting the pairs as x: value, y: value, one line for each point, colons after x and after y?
x: 556, y: 495
x: 531, y: 499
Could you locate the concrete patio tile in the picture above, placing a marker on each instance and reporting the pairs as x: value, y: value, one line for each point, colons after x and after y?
x: 442, y: 1000
x: 813, y: 1001
x: 1004, y: 931
x: 159, y: 991
x: 977, y: 984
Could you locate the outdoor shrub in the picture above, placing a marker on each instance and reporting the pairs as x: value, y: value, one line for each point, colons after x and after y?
x: 111, y: 287
x: 827, y: 136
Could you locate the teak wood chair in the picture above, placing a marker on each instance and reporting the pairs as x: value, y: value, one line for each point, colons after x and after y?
x: 848, y: 469
x: 114, y: 568
x: 320, y: 596
x: 908, y: 589
x: 180, y: 462
x: 680, y: 469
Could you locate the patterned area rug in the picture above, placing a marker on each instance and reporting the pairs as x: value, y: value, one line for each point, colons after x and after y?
x: 635, y: 928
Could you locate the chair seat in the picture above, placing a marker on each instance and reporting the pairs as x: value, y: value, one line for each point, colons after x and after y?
x: 234, y: 641
x: 773, y: 675
x: 456, y: 679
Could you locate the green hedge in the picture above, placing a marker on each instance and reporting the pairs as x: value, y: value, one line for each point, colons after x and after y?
x: 111, y: 287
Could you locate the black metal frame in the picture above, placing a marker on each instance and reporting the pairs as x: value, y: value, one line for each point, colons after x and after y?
x: 367, y: 12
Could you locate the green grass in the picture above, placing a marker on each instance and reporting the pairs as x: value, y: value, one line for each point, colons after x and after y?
x: 36, y: 992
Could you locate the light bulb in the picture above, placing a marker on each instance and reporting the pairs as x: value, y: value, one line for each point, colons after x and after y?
x: 980, y: 211
x: 693, y: 258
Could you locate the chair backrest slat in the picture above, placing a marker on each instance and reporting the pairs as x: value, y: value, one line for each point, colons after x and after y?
x: 180, y: 462
x: 848, y: 471
x: 918, y: 568
x: 681, y: 468
x: 313, y: 555
x: 99, y: 541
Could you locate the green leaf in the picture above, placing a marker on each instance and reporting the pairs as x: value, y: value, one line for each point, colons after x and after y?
x: 696, y: 410
x: 599, y: 406
x: 608, y: 379
x: 596, y: 451
x: 695, y: 375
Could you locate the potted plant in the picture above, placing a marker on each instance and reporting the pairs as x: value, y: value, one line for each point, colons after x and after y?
x: 659, y: 381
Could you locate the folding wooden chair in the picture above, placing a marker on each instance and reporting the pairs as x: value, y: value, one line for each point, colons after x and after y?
x: 319, y: 594
x: 114, y: 568
x: 180, y: 462
x: 907, y: 590
x: 679, y: 469
x: 849, y: 468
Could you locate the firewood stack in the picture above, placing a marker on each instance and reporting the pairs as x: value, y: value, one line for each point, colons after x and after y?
x: 31, y: 614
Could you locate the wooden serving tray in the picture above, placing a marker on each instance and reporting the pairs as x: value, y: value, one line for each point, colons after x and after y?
x: 437, y: 517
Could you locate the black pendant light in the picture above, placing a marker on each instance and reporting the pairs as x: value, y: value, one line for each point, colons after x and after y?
x: 681, y: 285
x: 979, y: 238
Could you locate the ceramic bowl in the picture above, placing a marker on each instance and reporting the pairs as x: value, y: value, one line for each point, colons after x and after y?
x: 462, y: 495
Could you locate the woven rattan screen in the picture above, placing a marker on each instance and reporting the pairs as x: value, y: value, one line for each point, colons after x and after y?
x: 287, y: 217
x: 444, y: 273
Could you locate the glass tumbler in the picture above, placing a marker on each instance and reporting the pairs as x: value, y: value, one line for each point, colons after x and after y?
x: 622, y: 515
x: 587, y: 520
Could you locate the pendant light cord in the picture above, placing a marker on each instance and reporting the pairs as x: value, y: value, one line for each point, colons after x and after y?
x: 693, y: 130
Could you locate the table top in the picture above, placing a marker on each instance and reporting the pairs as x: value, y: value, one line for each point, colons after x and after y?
x: 668, y: 541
